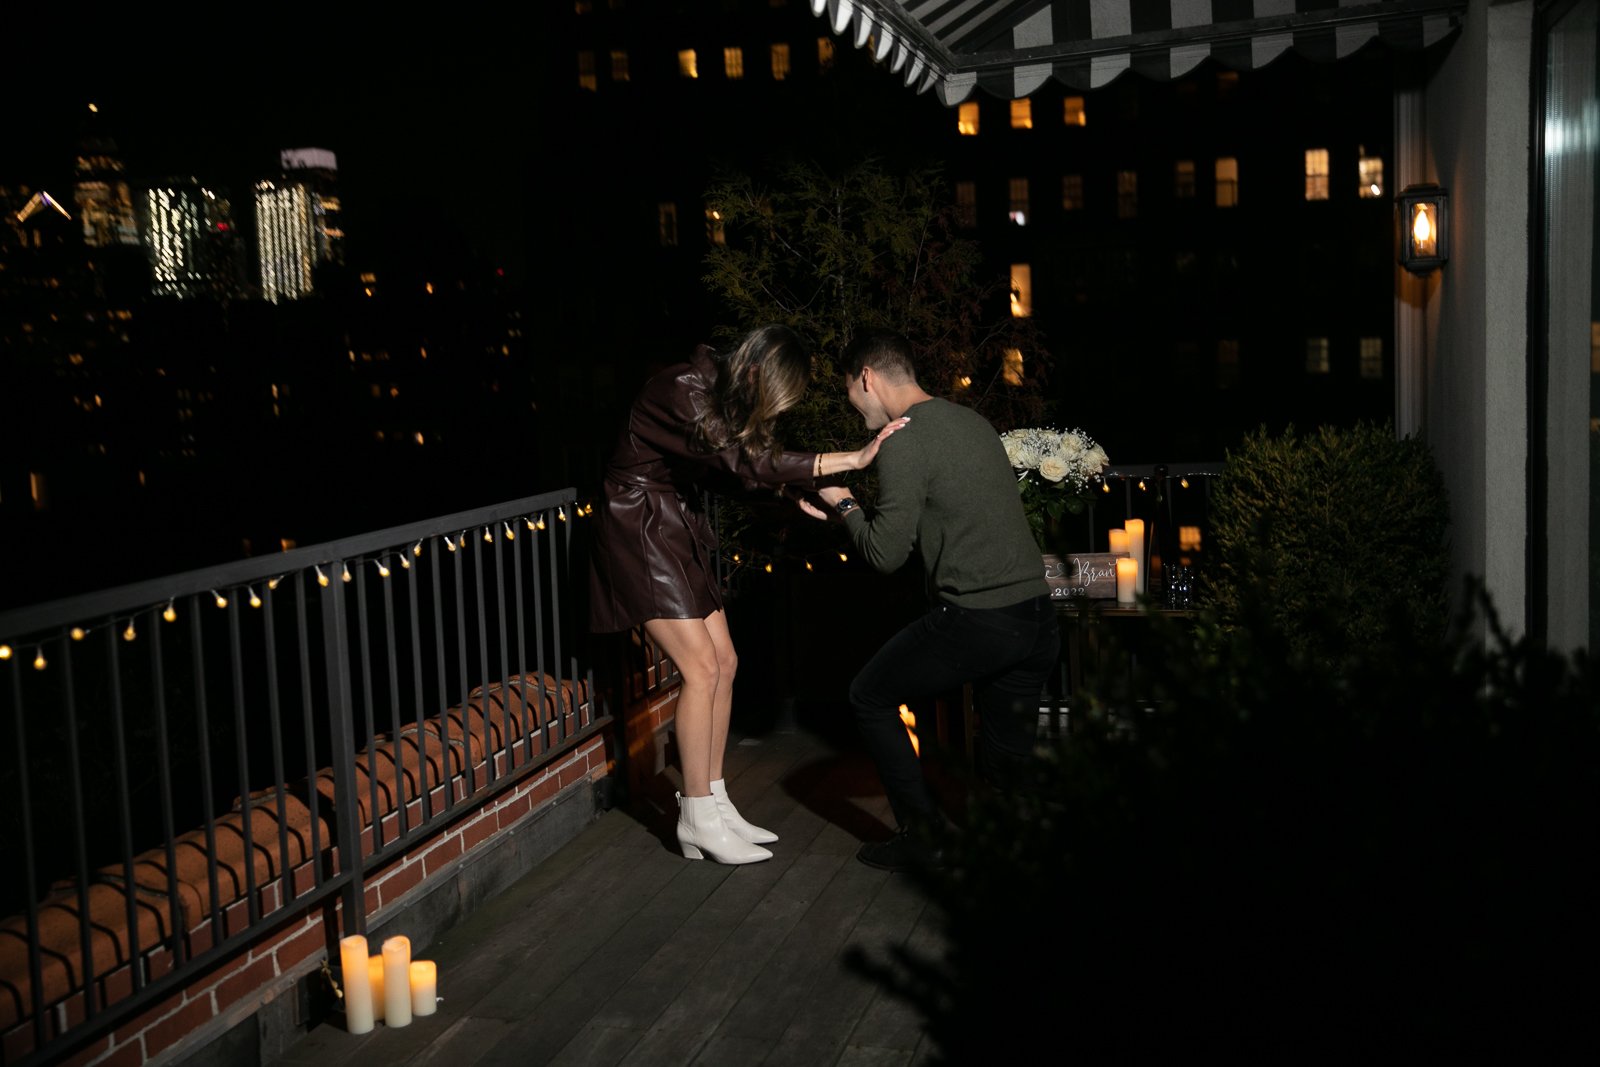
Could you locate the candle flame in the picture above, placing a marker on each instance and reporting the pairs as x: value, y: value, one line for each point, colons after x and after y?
x: 1421, y: 227
x: 911, y: 728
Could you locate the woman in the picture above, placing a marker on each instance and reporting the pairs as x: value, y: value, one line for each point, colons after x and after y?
x: 654, y: 551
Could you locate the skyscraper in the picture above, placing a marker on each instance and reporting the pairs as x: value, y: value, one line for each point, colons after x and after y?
x: 191, y: 241
x: 297, y: 223
x: 104, y: 198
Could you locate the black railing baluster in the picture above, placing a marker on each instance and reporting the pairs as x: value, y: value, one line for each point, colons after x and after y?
x: 463, y: 686
x: 503, y: 674
x: 319, y: 871
x: 363, y: 649
x: 178, y: 931
x: 423, y: 788
x: 341, y: 727
x: 242, y: 749
x: 207, y: 802
x: 446, y: 775
x: 125, y: 808
x: 555, y: 616
x: 275, y: 723
x: 522, y: 645
x: 29, y: 874
x: 538, y: 635
x: 394, y: 699
x: 79, y: 830
x: 482, y: 597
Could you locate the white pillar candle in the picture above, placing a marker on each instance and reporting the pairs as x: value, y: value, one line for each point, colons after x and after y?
x: 397, y: 981
x: 424, y: 987
x: 1119, y: 542
x: 375, y: 983
x: 357, y: 988
x: 1136, y: 546
x: 1127, y: 579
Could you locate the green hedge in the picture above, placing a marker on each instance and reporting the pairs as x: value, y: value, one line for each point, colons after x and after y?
x: 1346, y: 526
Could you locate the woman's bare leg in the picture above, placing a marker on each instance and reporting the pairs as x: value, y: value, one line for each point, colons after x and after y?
x: 722, y: 702
x: 692, y: 649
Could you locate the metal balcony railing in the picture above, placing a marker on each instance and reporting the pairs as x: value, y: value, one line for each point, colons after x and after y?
x: 202, y: 756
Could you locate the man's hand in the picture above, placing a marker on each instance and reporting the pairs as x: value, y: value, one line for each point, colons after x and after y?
x: 811, y: 509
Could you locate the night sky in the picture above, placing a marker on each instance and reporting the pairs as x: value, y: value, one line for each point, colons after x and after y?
x: 432, y: 121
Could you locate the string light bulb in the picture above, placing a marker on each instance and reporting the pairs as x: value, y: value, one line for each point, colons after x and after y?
x: 222, y: 601
x: 488, y: 538
x: 529, y: 520
x: 541, y: 522
x: 561, y: 513
x: 768, y: 568
x: 451, y: 545
x: 1141, y: 485
x: 809, y: 567
x: 170, y: 613
x: 5, y: 651
x: 843, y: 558
x: 1105, y: 487
x: 39, y: 662
x: 416, y: 549
x: 272, y: 583
x: 1183, y: 483
x: 255, y: 599
x: 130, y: 633
x: 511, y: 535
x: 383, y: 570
x: 78, y: 633
x: 322, y: 579
x: 346, y: 575
x: 405, y: 562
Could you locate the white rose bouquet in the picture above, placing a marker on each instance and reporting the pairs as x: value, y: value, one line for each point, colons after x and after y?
x: 1056, y: 469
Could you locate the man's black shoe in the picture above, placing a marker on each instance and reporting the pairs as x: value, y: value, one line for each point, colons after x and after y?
x: 907, y: 850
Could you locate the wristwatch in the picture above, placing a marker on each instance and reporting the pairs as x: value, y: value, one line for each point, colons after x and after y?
x: 847, y: 505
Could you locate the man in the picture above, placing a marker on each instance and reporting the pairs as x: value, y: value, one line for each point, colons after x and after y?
x: 945, y: 489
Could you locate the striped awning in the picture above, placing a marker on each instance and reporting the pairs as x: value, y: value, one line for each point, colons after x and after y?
x: 1012, y: 47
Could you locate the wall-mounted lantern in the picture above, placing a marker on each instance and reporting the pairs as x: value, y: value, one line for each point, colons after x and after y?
x: 1424, y: 217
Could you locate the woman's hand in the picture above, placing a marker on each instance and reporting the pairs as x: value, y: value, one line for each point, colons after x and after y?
x: 869, y: 451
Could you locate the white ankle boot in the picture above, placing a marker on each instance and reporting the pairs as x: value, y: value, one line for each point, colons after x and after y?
x: 736, y: 822
x: 701, y: 829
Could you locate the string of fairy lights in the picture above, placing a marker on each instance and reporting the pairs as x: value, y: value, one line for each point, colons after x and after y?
x: 402, y: 556
x: 384, y: 562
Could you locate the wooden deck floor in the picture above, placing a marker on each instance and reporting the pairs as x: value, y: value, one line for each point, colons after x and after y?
x: 617, y: 950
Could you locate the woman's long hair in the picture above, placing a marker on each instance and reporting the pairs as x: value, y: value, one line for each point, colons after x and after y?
x: 758, y: 381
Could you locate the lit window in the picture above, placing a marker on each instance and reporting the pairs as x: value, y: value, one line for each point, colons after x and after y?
x: 1127, y: 194
x: 1011, y: 368
x: 619, y: 66
x: 1072, y: 192
x: 1021, y: 290
x: 716, y: 232
x: 824, y: 52
x: 1316, y: 355
x: 1022, y: 114
x: 1073, y: 113
x: 780, y: 62
x: 1316, y: 174
x: 667, y: 218
x: 1227, y: 363
x: 586, y: 79
x: 1372, y: 357
x: 1369, y: 171
x: 967, y: 204
x: 1227, y: 182
x: 1183, y: 179
x: 967, y: 119
x: 1019, y: 201
x: 686, y: 64
x: 733, y: 63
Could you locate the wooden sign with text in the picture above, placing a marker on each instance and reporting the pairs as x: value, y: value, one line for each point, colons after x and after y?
x: 1082, y: 574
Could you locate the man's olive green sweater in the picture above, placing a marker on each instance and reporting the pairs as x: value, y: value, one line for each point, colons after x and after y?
x: 946, y: 490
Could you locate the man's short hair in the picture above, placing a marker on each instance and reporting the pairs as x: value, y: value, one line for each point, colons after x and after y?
x: 886, y: 352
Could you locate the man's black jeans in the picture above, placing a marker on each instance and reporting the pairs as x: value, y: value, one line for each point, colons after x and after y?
x: 1006, y: 653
